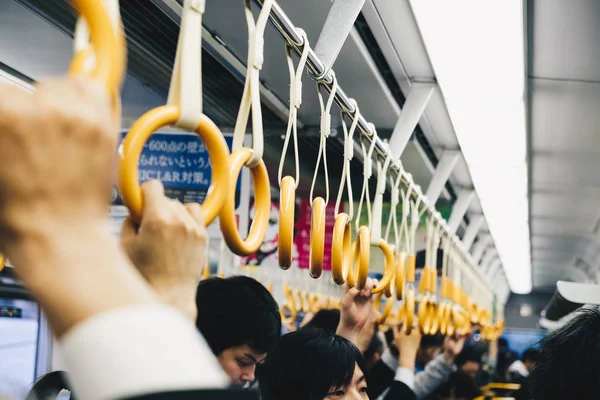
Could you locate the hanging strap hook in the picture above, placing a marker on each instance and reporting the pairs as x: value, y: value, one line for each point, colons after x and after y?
x: 251, y: 95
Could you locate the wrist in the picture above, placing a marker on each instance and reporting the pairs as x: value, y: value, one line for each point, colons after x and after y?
x: 407, y: 360
x: 348, y: 333
x: 449, y: 357
x: 181, y: 297
x: 82, y: 263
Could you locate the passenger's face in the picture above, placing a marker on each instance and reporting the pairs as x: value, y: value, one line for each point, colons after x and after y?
x: 471, y: 368
x: 355, y: 390
x: 240, y: 363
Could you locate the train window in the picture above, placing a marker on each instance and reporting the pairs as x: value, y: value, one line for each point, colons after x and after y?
x: 19, y: 326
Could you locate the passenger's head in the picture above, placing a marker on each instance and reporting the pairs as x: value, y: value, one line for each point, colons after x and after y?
x: 430, y: 347
x: 460, y: 386
x: 529, y: 358
x: 469, y: 361
x: 313, y: 364
x: 373, y: 353
x: 502, y: 344
x: 240, y: 321
x: 569, y: 360
x: 325, y: 319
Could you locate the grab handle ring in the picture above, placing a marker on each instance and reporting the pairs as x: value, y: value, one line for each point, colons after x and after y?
x: 109, y: 67
x: 133, y: 144
x: 262, y: 205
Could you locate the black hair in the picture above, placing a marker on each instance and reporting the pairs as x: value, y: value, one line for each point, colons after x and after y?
x: 569, y: 360
x: 375, y: 347
x: 306, y: 364
x: 389, y: 339
x: 325, y: 319
x: 468, y: 354
x: 432, y: 341
x: 531, y: 355
x: 503, y: 343
x: 237, y: 311
x: 459, y: 385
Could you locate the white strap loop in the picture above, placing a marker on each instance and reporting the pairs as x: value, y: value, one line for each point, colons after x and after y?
x: 378, y: 201
x: 415, y: 219
x: 394, y: 211
x: 348, y: 155
x: 295, y: 102
x: 367, y: 172
x: 251, y: 95
x: 185, y: 90
x: 325, y: 131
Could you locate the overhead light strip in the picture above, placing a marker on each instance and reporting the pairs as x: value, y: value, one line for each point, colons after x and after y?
x: 477, y: 51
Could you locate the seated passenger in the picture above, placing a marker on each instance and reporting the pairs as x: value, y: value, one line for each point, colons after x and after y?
x: 569, y: 360
x: 240, y: 321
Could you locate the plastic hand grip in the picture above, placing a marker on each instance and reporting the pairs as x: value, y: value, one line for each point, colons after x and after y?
x: 389, y: 268
x: 400, y: 275
x: 341, y: 249
x: 358, y: 274
x: 262, y: 205
x: 109, y: 50
x: 129, y: 155
x: 287, y: 206
x: 317, y: 237
x: 290, y: 307
x: 412, y: 264
x: 424, y: 283
x: 387, y: 309
x: 407, y: 311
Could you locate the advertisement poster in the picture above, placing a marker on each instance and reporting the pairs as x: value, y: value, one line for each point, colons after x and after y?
x: 267, y: 254
x: 181, y: 162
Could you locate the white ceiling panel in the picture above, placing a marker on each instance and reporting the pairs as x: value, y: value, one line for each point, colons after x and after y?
x: 551, y: 225
x: 567, y: 172
x: 566, y: 35
x: 564, y: 204
x: 565, y: 117
x: 565, y: 129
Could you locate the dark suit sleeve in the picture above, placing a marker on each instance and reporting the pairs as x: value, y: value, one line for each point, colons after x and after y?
x: 399, y: 391
x: 380, y: 378
x: 228, y: 394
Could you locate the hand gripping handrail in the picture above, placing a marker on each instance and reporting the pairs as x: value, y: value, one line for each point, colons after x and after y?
x: 251, y: 158
x: 289, y: 184
x: 341, y: 246
x: 184, y: 110
x: 319, y: 204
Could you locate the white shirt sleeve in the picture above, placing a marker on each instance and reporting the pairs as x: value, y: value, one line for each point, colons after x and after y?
x: 406, y: 376
x: 138, y: 350
x: 388, y: 358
